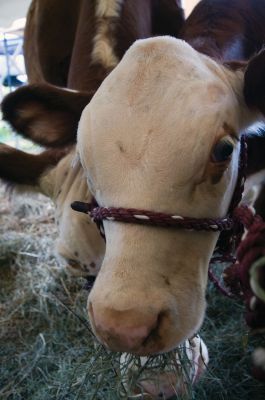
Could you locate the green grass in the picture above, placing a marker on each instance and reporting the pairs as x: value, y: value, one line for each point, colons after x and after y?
x: 47, y: 350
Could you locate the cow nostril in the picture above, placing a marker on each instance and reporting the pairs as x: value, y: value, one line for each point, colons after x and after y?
x: 154, y: 334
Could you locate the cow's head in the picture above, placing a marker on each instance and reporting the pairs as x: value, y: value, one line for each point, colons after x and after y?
x: 161, y: 134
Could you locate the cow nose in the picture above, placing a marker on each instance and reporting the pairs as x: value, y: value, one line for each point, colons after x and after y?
x: 122, y: 330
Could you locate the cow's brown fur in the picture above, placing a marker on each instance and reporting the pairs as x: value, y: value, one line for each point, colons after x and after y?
x: 226, y: 30
x: 255, y: 82
x: 49, y: 40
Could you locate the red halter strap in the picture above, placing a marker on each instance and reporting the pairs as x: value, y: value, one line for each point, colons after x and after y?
x: 144, y: 217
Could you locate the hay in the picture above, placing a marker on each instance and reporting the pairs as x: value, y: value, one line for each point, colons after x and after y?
x: 47, y: 349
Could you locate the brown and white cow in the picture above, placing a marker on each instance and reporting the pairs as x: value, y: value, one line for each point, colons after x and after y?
x: 149, y: 140
x: 72, y: 44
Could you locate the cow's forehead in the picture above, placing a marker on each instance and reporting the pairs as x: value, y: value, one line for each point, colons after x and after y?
x: 151, y: 65
x: 162, y: 77
x: 162, y: 85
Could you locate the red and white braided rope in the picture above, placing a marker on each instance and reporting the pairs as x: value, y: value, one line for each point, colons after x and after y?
x: 145, y: 217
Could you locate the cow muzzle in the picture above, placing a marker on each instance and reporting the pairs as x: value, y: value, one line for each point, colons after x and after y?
x: 144, y: 323
x: 131, y: 330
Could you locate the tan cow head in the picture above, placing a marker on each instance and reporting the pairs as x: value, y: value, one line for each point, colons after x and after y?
x: 160, y: 134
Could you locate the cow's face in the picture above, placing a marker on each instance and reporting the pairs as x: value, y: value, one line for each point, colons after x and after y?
x: 151, y: 139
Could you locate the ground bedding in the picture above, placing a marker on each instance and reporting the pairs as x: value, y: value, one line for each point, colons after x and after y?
x: 46, y: 348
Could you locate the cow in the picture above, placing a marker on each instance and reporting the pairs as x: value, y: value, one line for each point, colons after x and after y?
x: 132, y: 151
x: 162, y: 134
x: 70, y: 47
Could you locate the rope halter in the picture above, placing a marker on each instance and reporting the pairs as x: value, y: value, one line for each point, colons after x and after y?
x: 145, y: 217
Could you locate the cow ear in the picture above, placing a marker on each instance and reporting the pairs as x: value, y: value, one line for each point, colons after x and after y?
x: 45, y: 114
x: 254, y: 83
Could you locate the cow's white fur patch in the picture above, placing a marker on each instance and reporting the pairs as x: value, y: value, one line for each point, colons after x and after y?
x: 108, y: 8
x: 103, y: 50
x: 71, y: 90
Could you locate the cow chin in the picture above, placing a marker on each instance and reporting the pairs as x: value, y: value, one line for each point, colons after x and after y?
x: 127, y: 317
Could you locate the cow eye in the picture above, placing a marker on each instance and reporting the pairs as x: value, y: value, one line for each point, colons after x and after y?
x: 223, y: 150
